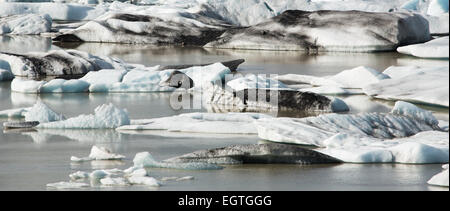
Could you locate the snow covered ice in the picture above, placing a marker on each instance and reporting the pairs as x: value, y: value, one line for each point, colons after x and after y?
x: 427, y: 85
x: 26, y: 24
x: 106, y: 116
x: 230, y: 123
x: 440, y: 179
x: 437, y: 49
x: 406, y: 135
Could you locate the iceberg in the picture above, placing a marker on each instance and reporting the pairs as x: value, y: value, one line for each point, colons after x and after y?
x: 230, y: 123
x: 436, y: 49
x: 256, y: 154
x: 355, y: 78
x: 14, y: 113
x: 314, y: 130
x: 25, y: 24
x: 106, y: 116
x: 440, y: 179
x: 145, y: 160
x: 145, y: 29
x: 41, y: 113
x: 57, y: 63
x: 427, y: 85
x: 318, y: 31
x: 79, y: 175
x: 98, y: 153
x: 407, y: 134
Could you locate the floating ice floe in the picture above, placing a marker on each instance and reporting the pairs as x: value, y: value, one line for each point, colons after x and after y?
x: 355, y: 78
x: 57, y: 63
x: 144, y: 180
x: 67, y: 185
x: 231, y: 123
x: 440, y: 179
x: 318, y: 31
x: 79, y: 175
x: 144, y: 159
x: 118, y: 181
x: 256, y: 154
x: 99, y: 153
x: 25, y: 24
x: 406, y: 135
x: 106, y: 116
x: 437, y: 48
x: 428, y: 85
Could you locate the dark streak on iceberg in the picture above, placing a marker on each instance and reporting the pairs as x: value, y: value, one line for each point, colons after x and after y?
x: 256, y: 154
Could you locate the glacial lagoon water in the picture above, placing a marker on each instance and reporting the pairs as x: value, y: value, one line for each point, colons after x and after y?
x: 31, y: 159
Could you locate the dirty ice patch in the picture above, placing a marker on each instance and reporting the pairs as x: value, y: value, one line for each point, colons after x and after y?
x: 436, y: 49
x: 230, y: 123
x: 106, y: 116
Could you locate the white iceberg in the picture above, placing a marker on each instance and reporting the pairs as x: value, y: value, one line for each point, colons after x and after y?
x: 230, y: 123
x: 106, y: 116
x: 145, y: 159
x: 440, y: 179
x: 57, y: 11
x: 252, y: 81
x: 99, y: 153
x: 427, y: 85
x: 437, y: 48
x: 355, y: 78
x: 25, y: 24
x: 42, y: 113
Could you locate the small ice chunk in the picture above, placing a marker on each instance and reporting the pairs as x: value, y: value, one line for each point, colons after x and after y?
x: 102, y: 153
x: 67, y: 185
x: 77, y: 159
x: 42, y: 113
x: 5, y: 75
x: 99, y: 174
x: 143, y: 180
x: 79, y: 175
x: 185, y: 178
x: 141, y: 172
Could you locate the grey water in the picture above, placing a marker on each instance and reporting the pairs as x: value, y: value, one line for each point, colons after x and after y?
x: 31, y: 159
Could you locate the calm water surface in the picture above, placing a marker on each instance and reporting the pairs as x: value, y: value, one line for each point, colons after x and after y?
x: 30, y: 160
